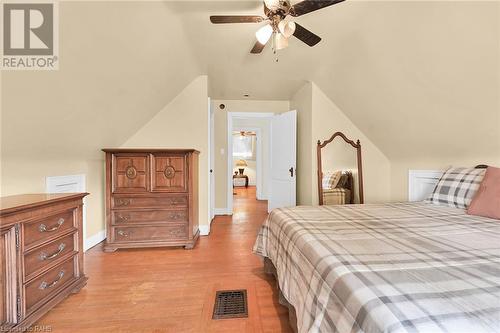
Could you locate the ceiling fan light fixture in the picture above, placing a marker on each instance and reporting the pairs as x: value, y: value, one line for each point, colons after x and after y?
x: 264, y: 33
x: 281, y: 42
x: 272, y: 4
x: 287, y: 28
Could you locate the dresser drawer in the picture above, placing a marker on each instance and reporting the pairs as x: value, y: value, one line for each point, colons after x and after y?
x: 121, y: 217
x: 38, y: 259
x: 143, y: 233
x: 131, y: 202
x: 49, y: 284
x: 38, y: 231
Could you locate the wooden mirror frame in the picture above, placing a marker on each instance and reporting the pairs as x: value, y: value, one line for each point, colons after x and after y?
x: 356, y: 145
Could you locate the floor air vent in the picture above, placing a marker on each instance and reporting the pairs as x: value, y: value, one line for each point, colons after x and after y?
x: 230, y: 304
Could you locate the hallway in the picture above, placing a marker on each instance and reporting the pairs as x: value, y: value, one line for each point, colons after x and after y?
x: 172, y: 290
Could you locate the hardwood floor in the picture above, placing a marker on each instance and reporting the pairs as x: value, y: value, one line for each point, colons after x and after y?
x: 172, y: 290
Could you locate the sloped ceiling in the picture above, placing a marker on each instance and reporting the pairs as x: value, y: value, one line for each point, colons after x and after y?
x: 419, y: 78
x: 120, y: 64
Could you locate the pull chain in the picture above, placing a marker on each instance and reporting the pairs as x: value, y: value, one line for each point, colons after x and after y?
x: 275, y: 43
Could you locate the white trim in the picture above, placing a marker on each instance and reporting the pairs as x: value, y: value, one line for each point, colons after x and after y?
x: 94, y: 240
x: 421, y: 183
x: 229, y: 161
x: 251, y: 114
x: 204, y: 230
x: 222, y: 211
x: 229, y: 153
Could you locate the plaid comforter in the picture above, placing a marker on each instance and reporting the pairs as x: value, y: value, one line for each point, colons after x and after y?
x: 407, y: 267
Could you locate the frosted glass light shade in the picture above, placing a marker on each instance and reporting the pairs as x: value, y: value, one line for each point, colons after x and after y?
x: 281, y: 42
x: 287, y: 28
x: 272, y: 4
x: 264, y: 33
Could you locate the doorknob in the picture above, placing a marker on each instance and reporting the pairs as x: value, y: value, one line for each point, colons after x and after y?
x: 291, y: 171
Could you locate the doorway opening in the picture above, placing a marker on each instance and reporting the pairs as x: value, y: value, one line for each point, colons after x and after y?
x: 275, y: 174
x: 248, y: 156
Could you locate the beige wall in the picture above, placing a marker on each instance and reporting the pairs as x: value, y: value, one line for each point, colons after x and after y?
x: 421, y: 79
x: 318, y: 119
x: 220, y: 127
x: 427, y: 101
x: 400, y: 168
x: 27, y: 175
x: 302, y: 102
x: 182, y: 124
x: 327, y: 119
x: 114, y: 75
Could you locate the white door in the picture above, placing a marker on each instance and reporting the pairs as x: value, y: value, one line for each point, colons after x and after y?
x: 283, y: 160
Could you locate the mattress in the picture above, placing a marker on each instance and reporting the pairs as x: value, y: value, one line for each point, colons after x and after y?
x: 403, y: 267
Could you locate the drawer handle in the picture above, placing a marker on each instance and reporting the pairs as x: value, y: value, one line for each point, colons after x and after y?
x: 176, y: 232
x: 176, y: 216
x: 122, y: 202
x: 122, y: 218
x: 45, y: 256
x: 45, y: 285
x: 44, y: 228
x: 123, y: 233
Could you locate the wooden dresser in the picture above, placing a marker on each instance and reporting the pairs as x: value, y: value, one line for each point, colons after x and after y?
x: 42, y: 255
x: 151, y: 198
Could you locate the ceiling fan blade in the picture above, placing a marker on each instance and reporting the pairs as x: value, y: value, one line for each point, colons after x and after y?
x: 308, y: 6
x: 306, y: 36
x: 257, y: 48
x: 220, y: 19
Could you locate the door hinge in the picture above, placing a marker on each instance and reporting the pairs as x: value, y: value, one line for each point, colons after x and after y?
x: 18, y: 305
x: 16, y: 230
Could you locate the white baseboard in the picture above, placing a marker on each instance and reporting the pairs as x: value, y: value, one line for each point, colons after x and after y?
x: 222, y: 211
x: 204, y: 230
x: 94, y: 240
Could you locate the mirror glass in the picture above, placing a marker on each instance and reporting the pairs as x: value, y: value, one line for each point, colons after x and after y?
x: 339, y: 166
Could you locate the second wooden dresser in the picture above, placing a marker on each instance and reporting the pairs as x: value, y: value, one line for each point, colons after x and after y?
x: 151, y: 198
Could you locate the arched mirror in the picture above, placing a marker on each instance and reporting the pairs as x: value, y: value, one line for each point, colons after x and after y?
x: 340, y: 172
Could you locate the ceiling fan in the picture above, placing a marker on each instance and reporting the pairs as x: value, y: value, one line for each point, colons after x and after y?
x: 245, y: 133
x: 279, y: 26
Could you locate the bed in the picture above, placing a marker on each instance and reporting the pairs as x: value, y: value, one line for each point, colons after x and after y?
x: 402, y: 267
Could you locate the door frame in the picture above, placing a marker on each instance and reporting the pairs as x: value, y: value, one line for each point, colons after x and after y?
x: 229, y: 155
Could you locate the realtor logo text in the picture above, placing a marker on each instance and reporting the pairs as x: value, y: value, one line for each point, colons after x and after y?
x: 30, y: 36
